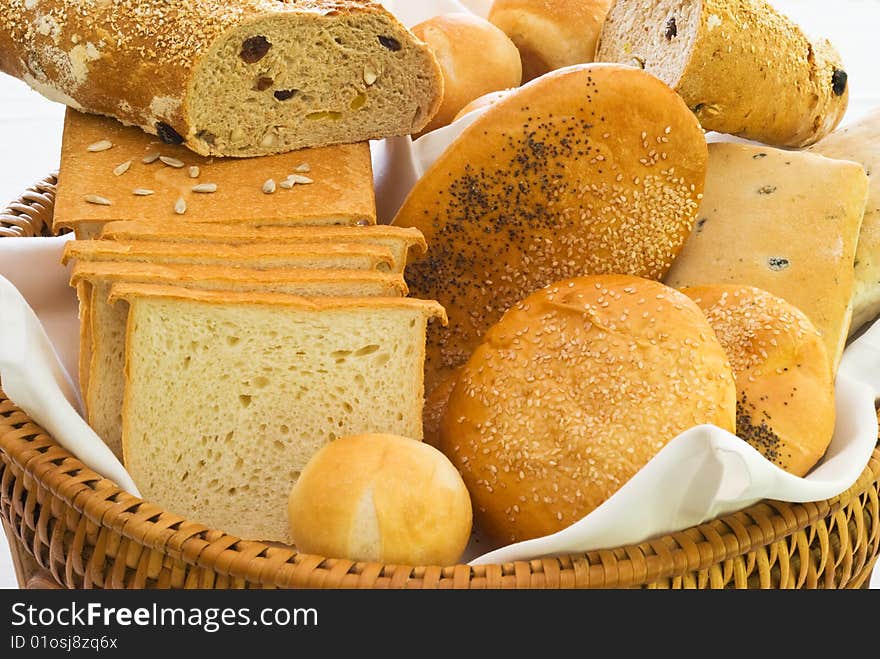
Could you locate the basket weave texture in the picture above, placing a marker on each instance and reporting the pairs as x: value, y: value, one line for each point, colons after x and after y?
x: 69, y: 527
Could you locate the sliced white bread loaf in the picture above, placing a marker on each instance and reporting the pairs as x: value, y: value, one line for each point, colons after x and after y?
x: 401, y: 241
x: 102, y: 347
x: 341, y: 256
x: 244, y: 78
x: 229, y: 395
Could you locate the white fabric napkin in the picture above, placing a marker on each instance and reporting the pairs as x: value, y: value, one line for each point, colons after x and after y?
x: 703, y: 473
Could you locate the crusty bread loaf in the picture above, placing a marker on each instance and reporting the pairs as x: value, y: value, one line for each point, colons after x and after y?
x: 228, y: 395
x: 860, y: 142
x: 740, y: 65
x: 381, y: 498
x: 341, y: 192
x: 338, y: 256
x: 400, y: 241
x: 784, y: 383
x: 102, y: 337
x: 247, y: 78
x: 575, y: 390
x: 475, y: 58
x: 587, y: 170
x: 782, y: 221
x: 551, y: 34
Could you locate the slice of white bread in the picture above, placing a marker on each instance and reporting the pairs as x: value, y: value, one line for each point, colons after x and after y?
x: 340, y: 256
x: 228, y: 395
x: 860, y: 142
x: 401, y: 241
x: 103, y: 334
x: 784, y: 221
x: 243, y: 78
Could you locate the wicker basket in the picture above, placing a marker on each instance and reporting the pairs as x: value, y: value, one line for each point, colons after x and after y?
x: 69, y: 527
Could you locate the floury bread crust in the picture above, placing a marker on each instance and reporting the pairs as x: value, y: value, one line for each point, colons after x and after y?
x: 741, y: 66
x: 594, y: 169
x: 228, y: 396
x: 245, y: 78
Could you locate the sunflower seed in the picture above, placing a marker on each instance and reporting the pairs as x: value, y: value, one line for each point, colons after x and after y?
x: 205, y: 188
x: 150, y: 158
x: 370, y: 75
x: 269, y: 186
x: 143, y: 192
x: 303, y: 180
x: 287, y: 183
x: 172, y: 162
x: 194, y: 172
x: 303, y: 168
x: 180, y: 206
x: 103, y: 145
x: 98, y: 200
x: 121, y: 169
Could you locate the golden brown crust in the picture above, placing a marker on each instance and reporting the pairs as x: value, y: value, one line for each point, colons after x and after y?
x: 126, y: 291
x: 475, y: 57
x: 551, y: 34
x: 483, y: 102
x: 342, y: 192
x: 400, y: 502
x: 589, y: 170
x: 575, y: 390
x: 435, y: 408
x: 134, y: 60
x: 782, y: 221
x: 784, y: 382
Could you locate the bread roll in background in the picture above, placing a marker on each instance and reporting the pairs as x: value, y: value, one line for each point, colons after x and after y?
x: 435, y: 407
x: 784, y: 381
x: 551, y: 34
x: 575, y: 390
x: 475, y: 58
x: 381, y: 498
x: 483, y: 102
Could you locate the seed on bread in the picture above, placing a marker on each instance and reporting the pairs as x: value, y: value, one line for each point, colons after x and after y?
x: 205, y: 188
x: 143, y: 192
x: 194, y: 171
x: 390, y: 43
x: 120, y: 169
x: 172, y: 162
x: 97, y: 147
x: 98, y: 200
x: 370, y: 75
x: 167, y: 134
x: 269, y: 186
x: 150, y: 158
x: 303, y: 168
x: 180, y: 206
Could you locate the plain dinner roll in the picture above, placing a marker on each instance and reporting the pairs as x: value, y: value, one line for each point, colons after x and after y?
x: 381, y: 498
x: 784, y: 380
x: 551, y: 34
x: 475, y: 58
x: 575, y: 390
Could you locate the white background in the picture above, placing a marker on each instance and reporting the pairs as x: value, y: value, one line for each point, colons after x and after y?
x: 30, y: 127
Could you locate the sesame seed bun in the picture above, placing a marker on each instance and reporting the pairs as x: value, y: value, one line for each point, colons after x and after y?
x: 575, y: 390
x: 595, y: 169
x: 784, y: 381
x: 435, y: 407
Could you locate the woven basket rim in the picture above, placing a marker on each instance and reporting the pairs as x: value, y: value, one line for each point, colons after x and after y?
x: 32, y: 450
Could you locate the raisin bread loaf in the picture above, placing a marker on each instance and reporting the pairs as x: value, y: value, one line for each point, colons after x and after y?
x: 245, y: 78
x: 741, y: 66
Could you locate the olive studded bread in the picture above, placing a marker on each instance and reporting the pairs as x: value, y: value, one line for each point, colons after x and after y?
x: 593, y: 169
x: 783, y: 221
x: 245, y: 78
x: 741, y: 66
x: 860, y: 142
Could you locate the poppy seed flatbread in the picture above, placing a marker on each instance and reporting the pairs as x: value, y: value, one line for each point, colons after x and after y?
x: 593, y: 169
x: 860, y: 142
x: 783, y: 221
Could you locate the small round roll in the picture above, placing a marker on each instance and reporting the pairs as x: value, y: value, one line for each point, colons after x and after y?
x: 483, y: 102
x: 572, y: 392
x: 551, y: 34
x: 784, y: 379
x: 381, y: 498
x: 475, y: 57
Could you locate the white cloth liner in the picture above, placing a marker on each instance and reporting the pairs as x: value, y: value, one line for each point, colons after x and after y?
x: 703, y: 473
